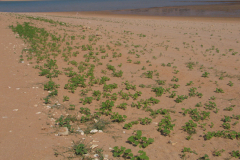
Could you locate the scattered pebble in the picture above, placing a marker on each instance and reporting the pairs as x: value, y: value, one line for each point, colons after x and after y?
x: 172, y: 143
x: 4, y: 117
x: 94, y: 146
x: 95, y: 155
x: 17, y: 88
x: 38, y: 112
x: 81, y: 131
x: 63, y: 131
x: 15, y: 110
x: 94, y: 131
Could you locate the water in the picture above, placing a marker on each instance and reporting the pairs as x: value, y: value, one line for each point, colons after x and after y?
x: 89, y: 5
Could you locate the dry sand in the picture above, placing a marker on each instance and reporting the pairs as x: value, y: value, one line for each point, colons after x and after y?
x: 28, y: 128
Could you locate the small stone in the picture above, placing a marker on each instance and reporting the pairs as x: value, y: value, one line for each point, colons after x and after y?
x: 4, y: 117
x: 98, y: 33
x: 95, y: 155
x: 17, y: 88
x: 100, y: 131
x: 63, y: 131
x: 94, y: 146
x: 15, y: 110
x: 172, y: 143
x: 80, y: 131
x: 124, y: 132
x: 95, y: 120
x: 38, y: 112
x: 95, y: 141
x: 94, y: 131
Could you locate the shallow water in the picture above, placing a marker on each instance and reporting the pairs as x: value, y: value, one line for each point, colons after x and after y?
x: 89, y: 5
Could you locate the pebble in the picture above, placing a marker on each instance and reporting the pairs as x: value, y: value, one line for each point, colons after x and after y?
x: 38, y: 112
x: 94, y: 131
x: 15, y: 110
x: 63, y: 131
x: 81, y: 131
x: 94, y: 146
x: 172, y: 143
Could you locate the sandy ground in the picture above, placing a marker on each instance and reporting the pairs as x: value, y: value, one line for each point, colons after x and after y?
x: 211, y: 44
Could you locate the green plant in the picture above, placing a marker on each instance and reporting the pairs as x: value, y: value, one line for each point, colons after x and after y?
x: 129, y: 86
x: 122, y: 151
x: 86, y: 100
x: 161, y: 82
x: 129, y: 125
x: 110, y: 87
x: 196, y: 115
x: 180, y: 98
x: 46, y: 100
x: 142, y: 156
x: 106, y: 107
x: 224, y: 134
x: 205, y: 74
x: 145, y: 121
x: 122, y: 106
x: 65, y: 98
x: 137, y: 139
x: 118, y: 74
x: 229, y: 108
x: 50, y: 85
x: 165, y: 126
x: 175, y: 86
x: 80, y: 149
x: 158, y: 91
x: 190, y: 83
x: 118, y: 118
x: 235, y: 154
x: 149, y: 74
x: 218, y: 152
x: 219, y: 90
x: 72, y: 107
x: 211, y: 105
x: 230, y: 83
x: 212, y: 124
x: 142, y: 85
x: 190, y: 127
x: 173, y: 94
x: 226, y: 125
x: 174, y: 79
x: 192, y: 92
x: 198, y: 104
x: 205, y: 157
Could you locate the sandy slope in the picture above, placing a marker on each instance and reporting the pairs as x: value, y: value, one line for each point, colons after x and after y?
x: 28, y: 134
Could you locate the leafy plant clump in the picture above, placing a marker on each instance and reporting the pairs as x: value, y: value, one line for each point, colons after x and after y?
x: 137, y: 139
x: 165, y: 126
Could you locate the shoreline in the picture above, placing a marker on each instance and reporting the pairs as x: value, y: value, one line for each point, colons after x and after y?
x: 139, y: 13
x: 216, y: 12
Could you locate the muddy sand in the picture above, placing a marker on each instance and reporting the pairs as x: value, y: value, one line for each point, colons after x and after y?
x: 186, y: 69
